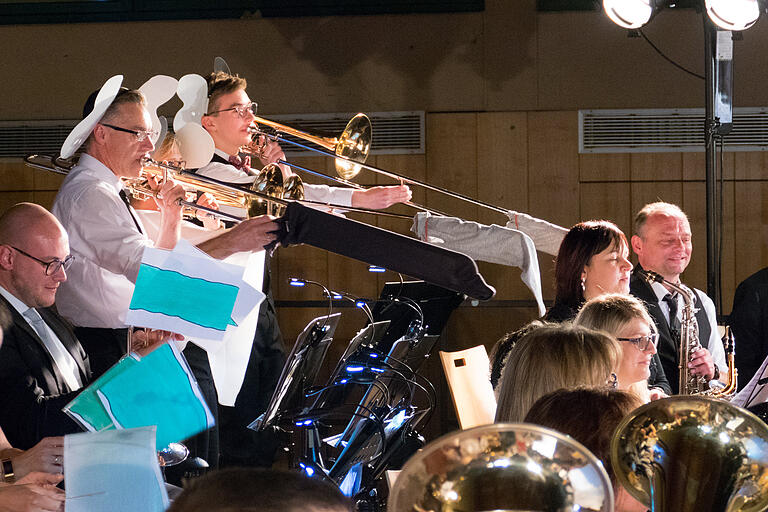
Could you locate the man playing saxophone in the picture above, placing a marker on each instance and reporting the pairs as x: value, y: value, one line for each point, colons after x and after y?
x: 662, y: 242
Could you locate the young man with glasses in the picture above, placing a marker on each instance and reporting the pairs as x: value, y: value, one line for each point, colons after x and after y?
x: 106, y: 235
x: 662, y: 242
x: 228, y: 120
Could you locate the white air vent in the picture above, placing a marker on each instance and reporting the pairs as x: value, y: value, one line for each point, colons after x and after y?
x: 393, y: 133
x: 666, y: 130
x: 21, y: 138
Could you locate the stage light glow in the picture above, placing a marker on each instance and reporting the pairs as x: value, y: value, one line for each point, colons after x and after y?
x: 629, y: 13
x: 733, y: 14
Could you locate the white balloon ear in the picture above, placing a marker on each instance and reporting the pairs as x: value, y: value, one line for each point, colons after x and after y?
x: 157, y: 91
x: 193, y: 91
x: 195, y: 145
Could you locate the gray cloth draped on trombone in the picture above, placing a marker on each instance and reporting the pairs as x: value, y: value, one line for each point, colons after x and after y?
x: 545, y: 235
x: 495, y: 244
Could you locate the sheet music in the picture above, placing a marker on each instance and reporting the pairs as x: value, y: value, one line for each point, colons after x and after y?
x: 745, y: 398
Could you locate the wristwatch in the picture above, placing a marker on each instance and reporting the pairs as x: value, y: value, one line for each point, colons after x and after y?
x: 8, y: 475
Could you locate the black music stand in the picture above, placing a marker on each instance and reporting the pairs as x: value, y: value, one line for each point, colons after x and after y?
x: 299, y: 372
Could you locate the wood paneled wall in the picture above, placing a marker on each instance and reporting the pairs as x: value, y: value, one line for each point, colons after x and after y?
x: 526, y: 161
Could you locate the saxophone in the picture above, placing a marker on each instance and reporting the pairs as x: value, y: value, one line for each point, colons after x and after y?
x: 688, y: 383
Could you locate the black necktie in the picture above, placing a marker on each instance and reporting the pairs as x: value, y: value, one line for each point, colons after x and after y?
x: 674, y: 323
x: 124, y: 197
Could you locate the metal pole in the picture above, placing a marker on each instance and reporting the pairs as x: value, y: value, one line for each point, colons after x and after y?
x: 710, y: 126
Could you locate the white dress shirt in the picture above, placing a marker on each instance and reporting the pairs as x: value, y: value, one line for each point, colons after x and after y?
x: 105, y: 243
x: 59, y: 354
x: 715, y: 345
x: 321, y: 193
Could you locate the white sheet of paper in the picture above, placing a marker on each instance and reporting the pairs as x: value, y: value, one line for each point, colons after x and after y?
x: 753, y: 393
x: 229, y: 357
x: 189, y: 261
x: 115, y: 470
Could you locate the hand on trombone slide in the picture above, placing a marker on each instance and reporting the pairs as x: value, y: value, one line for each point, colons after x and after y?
x: 377, y: 198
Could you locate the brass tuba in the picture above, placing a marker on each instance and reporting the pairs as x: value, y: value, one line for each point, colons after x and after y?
x: 686, y: 454
x: 502, y: 467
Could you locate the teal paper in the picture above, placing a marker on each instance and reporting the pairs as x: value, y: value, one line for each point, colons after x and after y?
x: 158, y: 391
x: 87, y: 408
x: 198, y: 301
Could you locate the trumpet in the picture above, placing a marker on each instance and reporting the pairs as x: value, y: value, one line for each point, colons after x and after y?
x: 350, y: 150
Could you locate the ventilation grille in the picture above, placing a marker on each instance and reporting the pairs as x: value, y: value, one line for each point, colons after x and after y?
x: 666, y: 130
x: 393, y: 133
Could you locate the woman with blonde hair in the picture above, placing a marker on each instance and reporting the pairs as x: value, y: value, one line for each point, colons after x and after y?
x: 553, y: 357
x: 625, y: 318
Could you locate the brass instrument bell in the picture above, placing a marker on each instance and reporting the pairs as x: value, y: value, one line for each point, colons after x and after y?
x: 502, y: 467
x: 691, y: 453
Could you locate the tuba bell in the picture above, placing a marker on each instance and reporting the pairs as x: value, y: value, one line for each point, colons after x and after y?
x: 689, y: 453
x: 502, y: 467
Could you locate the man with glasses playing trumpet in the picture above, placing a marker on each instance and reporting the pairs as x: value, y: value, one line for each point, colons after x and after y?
x: 106, y: 236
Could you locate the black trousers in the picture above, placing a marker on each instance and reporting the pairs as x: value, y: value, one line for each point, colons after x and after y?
x: 241, y: 446
x: 204, y: 445
x: 104, y: 347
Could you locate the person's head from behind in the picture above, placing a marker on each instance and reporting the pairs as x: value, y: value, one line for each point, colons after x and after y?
x: 592, y: 259
x: 550, y: 358
x: 123, y: 136
x: 230, y: 112
x: 34, y: 254
x: 590, y: 416
x: 662, y: 239
x: 500, y: 351
x: 625, y: 318
x: 262, y: 490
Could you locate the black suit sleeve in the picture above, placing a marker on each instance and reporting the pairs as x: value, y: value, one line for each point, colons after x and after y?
x: 748, y: 323
x: 26, y: 414
x: 658, y: 378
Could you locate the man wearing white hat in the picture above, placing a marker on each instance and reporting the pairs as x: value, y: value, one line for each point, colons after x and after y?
x: 106, y: 236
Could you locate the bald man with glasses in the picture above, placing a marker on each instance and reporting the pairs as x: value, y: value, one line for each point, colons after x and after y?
x: 42, y: 364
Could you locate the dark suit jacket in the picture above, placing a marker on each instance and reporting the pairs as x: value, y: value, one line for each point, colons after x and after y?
x: 32, y: 391
x: 749, y: 321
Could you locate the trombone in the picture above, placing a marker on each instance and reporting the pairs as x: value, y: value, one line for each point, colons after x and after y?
x: 350, y: 150
x: 225, y: 193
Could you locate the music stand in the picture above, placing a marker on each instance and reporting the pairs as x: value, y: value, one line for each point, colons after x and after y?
x: 300, y: 370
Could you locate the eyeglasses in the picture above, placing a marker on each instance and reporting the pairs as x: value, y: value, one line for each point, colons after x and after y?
x: 139, y: 134
x: 242, y: 110
x: 642, y: 342
x: 51, y: 267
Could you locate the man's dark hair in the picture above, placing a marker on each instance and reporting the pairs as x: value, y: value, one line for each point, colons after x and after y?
x: 219, y: 84
x: 262, y: 490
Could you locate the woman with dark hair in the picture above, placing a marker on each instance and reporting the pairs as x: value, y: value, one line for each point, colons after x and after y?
x: 593, y: 259
x: 590, y: 416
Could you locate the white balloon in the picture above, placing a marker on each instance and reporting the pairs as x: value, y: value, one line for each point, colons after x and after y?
x: 80, y: 133
x: 195, y: 145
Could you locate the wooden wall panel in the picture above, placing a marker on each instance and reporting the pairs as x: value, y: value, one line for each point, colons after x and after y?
x: 604, y: 167
x: 751, y: 166
x: 16, y: 176
x: 694, y: 166
x: 452, y: 162
x: 502, y: 170
x: 656, y: 166
x: 751, y: 228
x: 607, y: 201
x: 553, y: 175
